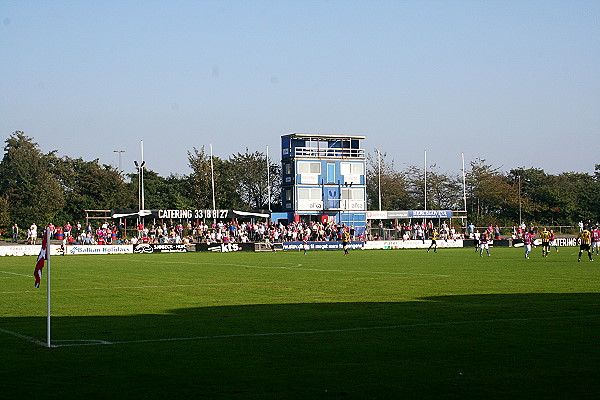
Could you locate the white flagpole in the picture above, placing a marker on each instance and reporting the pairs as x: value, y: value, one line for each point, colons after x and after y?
x: 464, y: 181
x: 425, y: 205
x: 268, y: 181
x: 379, y: 176
x: 212, y: 174
x: 142, y: 174
x: 48, y: 288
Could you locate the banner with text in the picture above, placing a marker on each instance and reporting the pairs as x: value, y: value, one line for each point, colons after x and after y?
x: 28, y: 250
x: 224, y: 247
x: 99, y: 249
x: 409, y: 244
x: 147, y: 248
x: 321, y: 245
x: 187, y: 214
x: 409, y: 214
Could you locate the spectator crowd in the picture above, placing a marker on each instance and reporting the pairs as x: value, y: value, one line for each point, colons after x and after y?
x: 201, y: 232
x: 110, y: 232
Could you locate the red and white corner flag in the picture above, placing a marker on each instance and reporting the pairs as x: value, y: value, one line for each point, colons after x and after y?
x: 42, y: 257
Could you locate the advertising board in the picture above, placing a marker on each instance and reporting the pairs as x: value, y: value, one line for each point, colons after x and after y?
x: 27, y: 250
x: 224, y: 247
x: 321, y: 245
x: 409, y: 244
x: 146, y: 248
x: 99, y: 249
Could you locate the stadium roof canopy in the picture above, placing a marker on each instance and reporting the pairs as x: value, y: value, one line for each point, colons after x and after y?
x: 323, y: 136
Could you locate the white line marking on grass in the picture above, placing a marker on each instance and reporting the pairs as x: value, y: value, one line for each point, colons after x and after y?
x: 81, y: 342
x: 294, y: 333
x: 123, y: 287
x: 14, y: 273
x: 28, y: 338
x: 187, y: 285
x: 296, y: 268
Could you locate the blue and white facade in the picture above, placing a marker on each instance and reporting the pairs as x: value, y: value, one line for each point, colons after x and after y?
x: 323, y: 178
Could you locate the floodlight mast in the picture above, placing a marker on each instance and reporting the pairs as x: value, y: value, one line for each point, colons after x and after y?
x: 464, y: 182
x: 212, y: 175
x: 137, y: 166
x: 268, y: 182
x: 520, y: 216
x: 140, y: 168
x: 379, y: 183
x: 425, y: 177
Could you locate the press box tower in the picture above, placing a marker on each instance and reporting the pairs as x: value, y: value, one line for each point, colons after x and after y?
x: 323, y: 178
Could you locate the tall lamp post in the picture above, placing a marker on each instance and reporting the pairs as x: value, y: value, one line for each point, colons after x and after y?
x: 520, y: 218
x: 379, y: 176
x: 140, y: 168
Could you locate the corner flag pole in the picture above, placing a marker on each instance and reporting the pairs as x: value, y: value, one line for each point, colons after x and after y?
x: 48, y: 288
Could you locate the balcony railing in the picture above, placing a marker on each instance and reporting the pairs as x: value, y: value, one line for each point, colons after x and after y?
x: 328, y: 152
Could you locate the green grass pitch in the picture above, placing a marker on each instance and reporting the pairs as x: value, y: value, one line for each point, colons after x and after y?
x: 372, y: 325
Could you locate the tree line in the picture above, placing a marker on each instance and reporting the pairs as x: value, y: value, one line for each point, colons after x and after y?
x: 492, y: 196
x: 43, y: 187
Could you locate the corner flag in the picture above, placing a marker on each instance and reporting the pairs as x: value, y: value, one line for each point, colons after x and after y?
x: 42, y: 257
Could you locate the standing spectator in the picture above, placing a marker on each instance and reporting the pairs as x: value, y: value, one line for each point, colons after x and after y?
x: 67, y: 229
x: 120, y: 229
x: 15, y: 233
x: 496, y: 232
x: 32, y: 233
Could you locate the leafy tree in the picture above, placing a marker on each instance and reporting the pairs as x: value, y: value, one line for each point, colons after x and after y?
x: 200, y: 181
x: 568, y: 198
x: 249, y: 173
x: 489, y: 194
x: 394, y: 194
x: 88, y: 185
x: 42, y: 188
x: 5, y: 221
x: 163, y: 193
x: 27, y: 181
x: 444, y: 192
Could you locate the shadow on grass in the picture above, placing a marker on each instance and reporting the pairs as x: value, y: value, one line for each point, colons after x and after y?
x: 478, y: 346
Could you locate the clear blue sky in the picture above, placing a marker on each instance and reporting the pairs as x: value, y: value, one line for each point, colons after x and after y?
x: 514, y: 82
